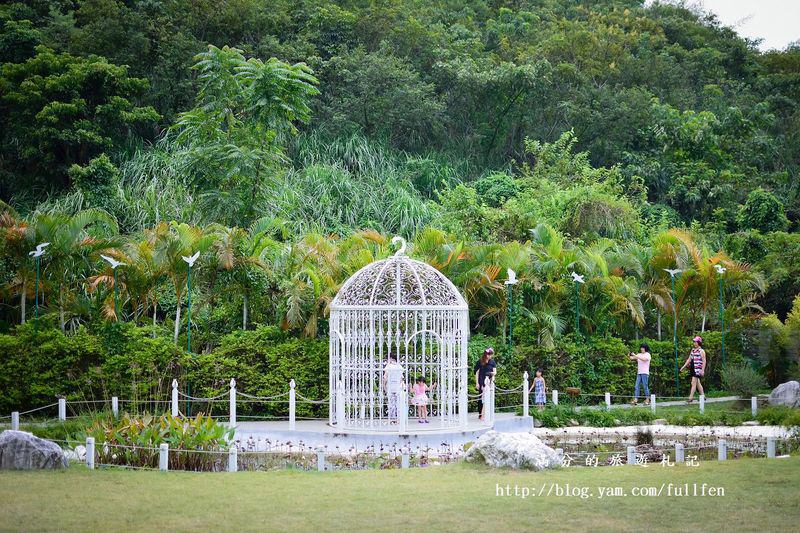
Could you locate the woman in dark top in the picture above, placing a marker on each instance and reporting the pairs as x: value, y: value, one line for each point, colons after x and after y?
x: 485, y: 367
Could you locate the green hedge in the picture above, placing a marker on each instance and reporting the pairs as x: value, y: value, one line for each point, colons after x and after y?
x: 126, y: 361
x: 599, y: 364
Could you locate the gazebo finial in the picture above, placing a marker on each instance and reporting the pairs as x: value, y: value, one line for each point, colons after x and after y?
x: 402, y: 241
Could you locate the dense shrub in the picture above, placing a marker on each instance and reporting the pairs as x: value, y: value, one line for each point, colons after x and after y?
x: 779, y: 416
x: 743, y: 380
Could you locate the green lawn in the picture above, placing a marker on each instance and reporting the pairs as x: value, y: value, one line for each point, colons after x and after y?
x: 760, y: 494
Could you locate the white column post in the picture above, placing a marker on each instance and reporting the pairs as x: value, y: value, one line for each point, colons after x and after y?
x: 754, y: 406
x: 402, y: 406
x: 62, y: 409
x: 321, y: 459
x: 339, y: 405
x: 485, y: 400
x: 463, y: 406
x: 232, y: 404
x: 771, y: 447
x: 15, y: 421
x: 525, y: 395
x: 233, y: 459
x: 492, y: 399
x: 702, y: 403
x: 608, y: 400
x: 90, y: 453
x: 292, y: 399
x: 404, y: 459
x: 555, y: 397
x: 163, y: 457
x: 175, y: 398
x: 115, y: 406
x: 722, y: 450
x: 679, y: 454
x: 653, y: 403
x: 631, y: 455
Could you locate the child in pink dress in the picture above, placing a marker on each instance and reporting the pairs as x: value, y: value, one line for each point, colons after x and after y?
x: 420, y: 399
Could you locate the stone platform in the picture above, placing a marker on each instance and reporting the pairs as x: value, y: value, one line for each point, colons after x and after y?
x: 319, y: 433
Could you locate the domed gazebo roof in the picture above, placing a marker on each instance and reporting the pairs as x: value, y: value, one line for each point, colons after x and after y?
x: 398, y: 282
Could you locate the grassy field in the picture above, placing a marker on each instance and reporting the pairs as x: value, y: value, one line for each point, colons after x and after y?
x: 759, y: 495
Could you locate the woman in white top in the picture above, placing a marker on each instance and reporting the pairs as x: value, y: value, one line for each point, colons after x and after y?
x: 642, y: 373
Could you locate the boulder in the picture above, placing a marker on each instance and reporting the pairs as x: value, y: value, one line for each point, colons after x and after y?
x: 513, y: 450
x: 751, y: 423
x: 574, y: 423
x: 786, y: 394
x: 20, y: 450
x: 660, y: 422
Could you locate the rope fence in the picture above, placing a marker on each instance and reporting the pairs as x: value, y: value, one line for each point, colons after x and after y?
x: 283, y: 405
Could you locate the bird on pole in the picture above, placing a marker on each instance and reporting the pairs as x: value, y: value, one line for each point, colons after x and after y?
x: 114, y: 264
x: 37, y: 254
x: 510, y: 282
x: 672, y: 273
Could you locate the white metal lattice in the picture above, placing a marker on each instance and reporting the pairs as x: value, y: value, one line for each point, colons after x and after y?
x: 408, y: 310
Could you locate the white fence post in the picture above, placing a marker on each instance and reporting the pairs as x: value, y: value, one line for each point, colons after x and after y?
x: 292, y: 399
x: 555, y: 397
x: 771, y: 447
x: 608, y: 400
x: 653, y: 403
x: 90, y: 453
x: 232, y: 404
x: 679, y: 455
x: 404, y: 459
x: 321, y: 459
x: 62, y: 409
x: 163, y: 457
x: 115, y: 406
x: 402, y: 410
x: 15, y: 421
x: 754, y: 406
x: 722, y: 450
x: 175, y: 398
x: 631, y: 455
x: 702, y: 403
x: 233, y: 459
x: 525, y: 395
x: 340, y: 405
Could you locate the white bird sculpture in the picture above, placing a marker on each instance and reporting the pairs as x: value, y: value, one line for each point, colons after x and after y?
x: 673, y: 271
x: 720, y: 269
x: 192, y: 259
x: 39, y: 249
x: 111, y: 261
x: 402, y: 241
x: 577, y: 277
x: 512, y: 277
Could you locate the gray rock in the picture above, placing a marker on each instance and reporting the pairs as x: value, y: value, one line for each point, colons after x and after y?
x: 617, y: 422
x: 537, y: 423
x: 513, y: 450
x: 751, y: 423
x: 20, y: 450
x: 659, y: 422
x: 574, y: 423
x: 786, y: 394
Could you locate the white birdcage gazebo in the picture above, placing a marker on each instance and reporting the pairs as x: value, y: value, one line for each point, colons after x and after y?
x: 407, y: 310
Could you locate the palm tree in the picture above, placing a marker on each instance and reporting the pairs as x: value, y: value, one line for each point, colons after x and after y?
x: 17, y: 239
x: 241, y: 253
x: 74, y: 241
x: 173, y: 242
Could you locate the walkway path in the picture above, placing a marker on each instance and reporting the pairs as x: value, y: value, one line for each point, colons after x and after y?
x: 672, y: 403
